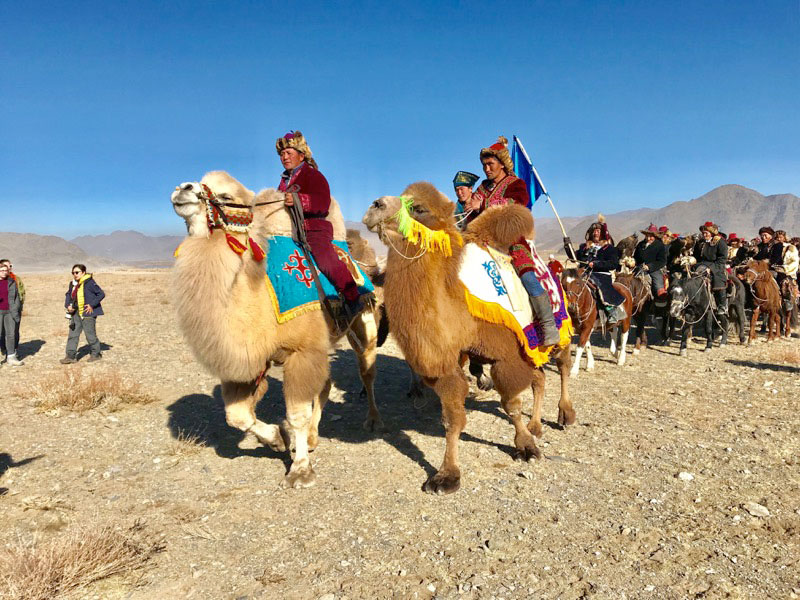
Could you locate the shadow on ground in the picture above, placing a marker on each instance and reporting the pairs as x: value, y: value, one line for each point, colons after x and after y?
x: 29, y: 348
x: 6, y: 463
x: 204, y: 415
x: 86, y: 350
x: 763, y: 365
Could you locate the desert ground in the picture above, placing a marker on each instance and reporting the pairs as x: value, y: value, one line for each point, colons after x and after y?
x: 680, y: 478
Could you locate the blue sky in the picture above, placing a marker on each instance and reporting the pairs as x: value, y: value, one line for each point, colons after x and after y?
x: 106, y: 106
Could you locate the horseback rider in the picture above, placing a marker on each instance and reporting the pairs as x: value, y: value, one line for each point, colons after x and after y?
x: 768, y: 248
x: 301, y: 173
x: 737, y: 252
x: 602, y: 257
x: 463, y: 183
x: 651, y: 258
x: 711, y: 253
x: 790, y: 260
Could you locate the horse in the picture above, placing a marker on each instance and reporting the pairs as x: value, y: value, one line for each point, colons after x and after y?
x: 736, y: 305
x: 692, y: 302
x: 583, y: 312
x: 766, y: 298
x: 644, y: 305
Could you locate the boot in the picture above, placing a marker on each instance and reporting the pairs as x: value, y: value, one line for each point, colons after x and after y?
x: 615, y: 314
x: 722, y: 302
x: 544, y: 312
x: 68, y: 360
x: 14, y: 361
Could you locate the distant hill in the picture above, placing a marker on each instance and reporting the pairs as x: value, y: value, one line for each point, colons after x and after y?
x: 32, y: 252
x: 129, y: 246
x: 734, y: 208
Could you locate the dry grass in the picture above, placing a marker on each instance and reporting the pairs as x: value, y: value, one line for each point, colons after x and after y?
x: 185, y: 444
x: 787, y: 355
x: 77, y: 391
x: 38, y: 570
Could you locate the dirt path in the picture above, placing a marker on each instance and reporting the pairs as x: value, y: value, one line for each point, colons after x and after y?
x: 605, y: 514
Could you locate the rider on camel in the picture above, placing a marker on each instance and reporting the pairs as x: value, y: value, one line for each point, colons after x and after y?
x: 463, y: 183
x: 711, y: 253
x: 302, y: 174
x: 651, y: 258
x: 602, y: 257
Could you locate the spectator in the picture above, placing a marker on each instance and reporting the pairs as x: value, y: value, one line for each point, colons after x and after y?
x: 10, y: 310
x: 82, y: 301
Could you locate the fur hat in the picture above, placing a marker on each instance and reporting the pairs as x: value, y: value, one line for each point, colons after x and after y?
x: 500, y: 151
x: 295, y: 139
x: 465, y: 179
x: 602, y: 226
x: 768, y: 230
x: 652, y: 230
x: 780, y: 232
x: 709, y: 227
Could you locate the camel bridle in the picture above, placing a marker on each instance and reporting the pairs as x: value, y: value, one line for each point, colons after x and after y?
x: 236, y: 219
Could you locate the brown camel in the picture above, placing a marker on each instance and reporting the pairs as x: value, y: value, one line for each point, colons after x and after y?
x: 430, y: 320
x: 226, y: 315
x: 766, y: 298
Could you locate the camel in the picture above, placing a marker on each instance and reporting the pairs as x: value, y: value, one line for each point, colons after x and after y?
x: 431, y: 322
x: 225, y: 313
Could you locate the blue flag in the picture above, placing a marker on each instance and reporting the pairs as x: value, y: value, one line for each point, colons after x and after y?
x: 524, y: 169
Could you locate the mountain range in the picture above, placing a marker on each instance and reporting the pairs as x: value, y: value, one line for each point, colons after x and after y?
x: 733, y: 207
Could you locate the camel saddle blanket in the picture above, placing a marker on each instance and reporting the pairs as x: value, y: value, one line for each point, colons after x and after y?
x: 495, y: 293
x: 291, y: 283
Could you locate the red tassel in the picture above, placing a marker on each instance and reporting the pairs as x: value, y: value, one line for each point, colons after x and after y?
x: 258, y: 253
x: 235, y: 244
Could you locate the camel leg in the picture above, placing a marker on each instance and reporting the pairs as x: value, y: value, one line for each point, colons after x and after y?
x: 316, y: 415
x: 304, y: 378
x: 240, y: 402
x: 623, y: 342
x: 452, y: 390
x: 566, y: 414
x: 511, y: 377
x: 416, y: 391
x: 367, y: 333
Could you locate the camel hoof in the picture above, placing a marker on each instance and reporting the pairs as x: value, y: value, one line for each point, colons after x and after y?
x: 374, y: 425
x: 442, y: 483
x: 527, y: 452
x: 302, y: 477
x: 566, y: 418
x: 271, y: 436
x: 485, y: 383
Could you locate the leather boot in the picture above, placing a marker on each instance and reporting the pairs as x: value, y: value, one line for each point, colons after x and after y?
x: 544, y: 312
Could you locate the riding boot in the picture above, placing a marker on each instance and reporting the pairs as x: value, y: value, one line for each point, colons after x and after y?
x: 615, y: 314
x: 544, y: 312
x: 721, y: 297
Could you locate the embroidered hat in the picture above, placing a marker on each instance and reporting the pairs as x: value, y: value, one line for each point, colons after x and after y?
x: 465, y: 179
x: 709, y: 227
x: 652, y: 230
x: 500, y: 151
x: 295, y: 139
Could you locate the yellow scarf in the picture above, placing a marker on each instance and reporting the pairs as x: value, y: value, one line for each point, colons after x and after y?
x: 79, y: 297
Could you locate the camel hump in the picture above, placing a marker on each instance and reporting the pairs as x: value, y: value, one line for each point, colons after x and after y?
x: 502, y: 226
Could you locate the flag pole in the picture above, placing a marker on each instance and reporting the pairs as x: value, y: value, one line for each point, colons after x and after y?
x: 567, y: 242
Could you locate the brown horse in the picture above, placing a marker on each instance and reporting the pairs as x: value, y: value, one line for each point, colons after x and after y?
x: 583, y: 311
x: 766, y: 298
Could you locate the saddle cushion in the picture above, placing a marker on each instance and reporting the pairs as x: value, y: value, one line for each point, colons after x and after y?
x: 495, y: 293
x: 291, y: 283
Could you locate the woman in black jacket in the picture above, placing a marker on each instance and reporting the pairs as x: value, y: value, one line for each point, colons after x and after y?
x: 601, y: 256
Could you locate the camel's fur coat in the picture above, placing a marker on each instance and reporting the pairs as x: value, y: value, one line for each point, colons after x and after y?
x: 426, y: 306
x: 225, y: 313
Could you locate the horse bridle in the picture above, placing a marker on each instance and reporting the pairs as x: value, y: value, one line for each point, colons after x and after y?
x: 577, y: 303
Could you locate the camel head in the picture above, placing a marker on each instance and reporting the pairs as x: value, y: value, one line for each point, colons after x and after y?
x: 190, y: 200
x: 381, y: 212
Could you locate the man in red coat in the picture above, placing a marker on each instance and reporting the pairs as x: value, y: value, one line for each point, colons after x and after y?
x: 300, y: 170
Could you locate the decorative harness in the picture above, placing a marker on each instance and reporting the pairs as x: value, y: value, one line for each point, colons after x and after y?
x: 231, y: 217
x: 760, y: 275
x: 577, y: 303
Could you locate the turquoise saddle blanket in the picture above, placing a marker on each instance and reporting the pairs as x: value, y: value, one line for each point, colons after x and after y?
x: 292, y: 281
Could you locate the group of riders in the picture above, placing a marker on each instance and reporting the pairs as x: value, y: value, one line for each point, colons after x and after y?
x: 657, y: 257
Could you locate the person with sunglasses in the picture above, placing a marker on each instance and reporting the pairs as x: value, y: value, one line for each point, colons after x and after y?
x: 82, y: 301
x: 10, y: 309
